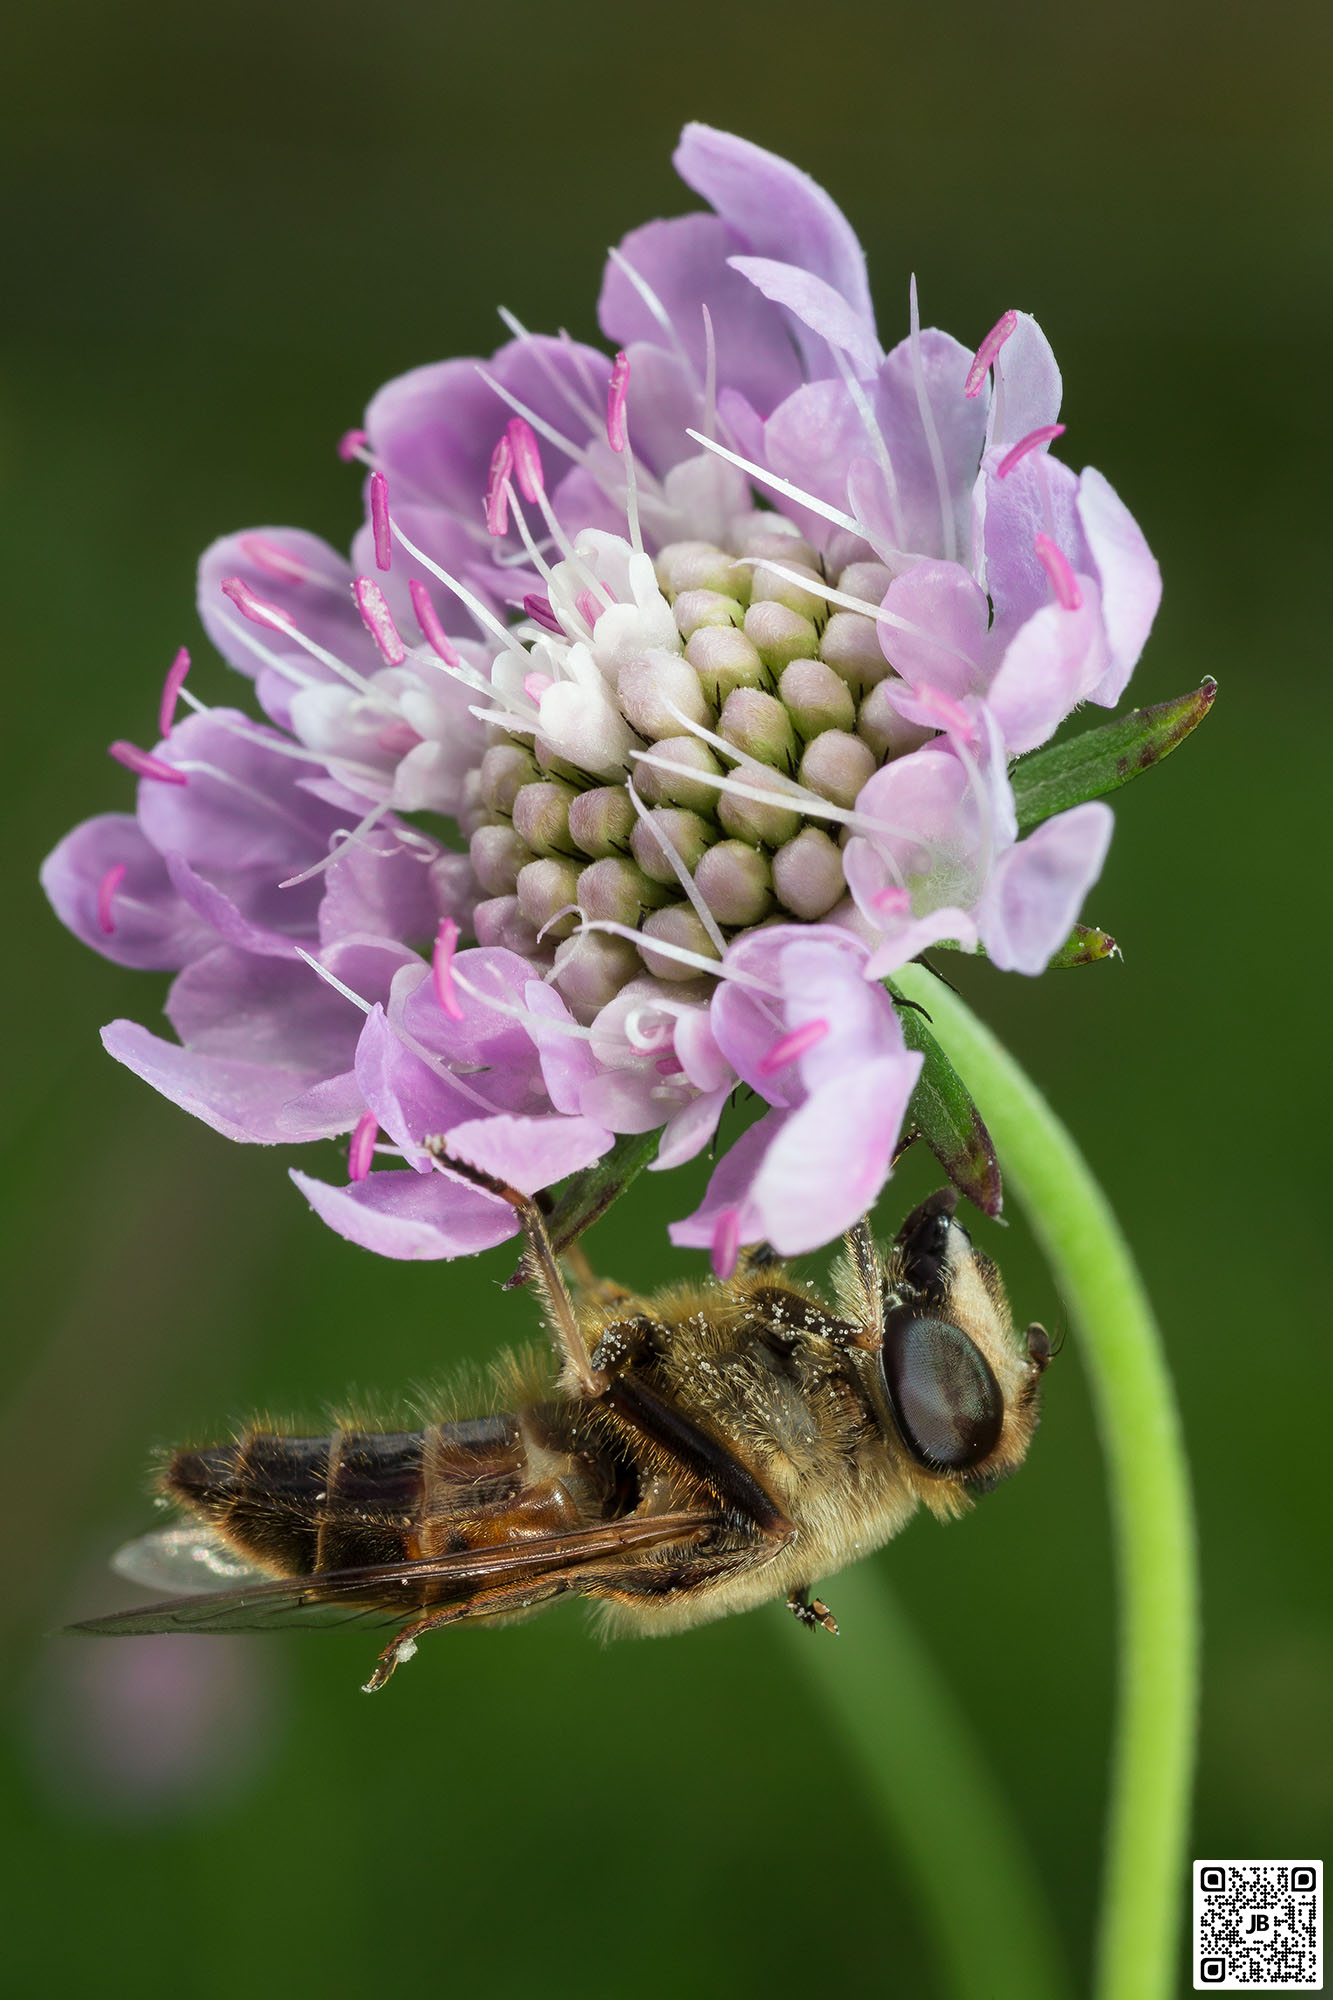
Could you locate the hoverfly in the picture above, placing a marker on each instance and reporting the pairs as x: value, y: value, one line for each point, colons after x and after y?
x: 699, y: 1452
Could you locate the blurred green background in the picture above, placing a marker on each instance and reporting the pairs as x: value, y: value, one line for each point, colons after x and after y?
x: 226, y: 226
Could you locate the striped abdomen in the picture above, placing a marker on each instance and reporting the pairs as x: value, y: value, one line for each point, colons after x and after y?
x: 358, y: 1498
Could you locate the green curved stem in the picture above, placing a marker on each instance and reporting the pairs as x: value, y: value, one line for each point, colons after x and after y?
x: 1145, y: 1878
x: 929, y: 1782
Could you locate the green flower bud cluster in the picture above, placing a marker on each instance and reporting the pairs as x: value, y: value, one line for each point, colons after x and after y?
x: 797, y: 686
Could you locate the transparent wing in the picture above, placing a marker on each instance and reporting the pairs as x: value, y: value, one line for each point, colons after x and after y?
x: 184, y: 1560
x: 392, y: 1593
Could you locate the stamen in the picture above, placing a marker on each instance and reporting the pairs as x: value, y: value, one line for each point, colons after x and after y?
x: 379, y: 520
x: 539, y: 609
x: 616, y: 394
x: 1057, y: 567
x: 891, y: 901
x: 497, y: 488
x: 143, y: 763
x: 428, y: 618
x: 378, y: 620
x: 770, y: 479
x: 669, y: 1066
x: 535, y: 686
x: 583, y: 407
x: 726, y: 1243
x: 441, y: 968
x: 928, y: 425
x: 257, y: 609
x: 362, y: 1149
x: 870, y: 425
x: 789, y: 1048
x: 171, y: 687
x: 682, y: 874
x: 106, y: 890
x: 273, y: 560
x: 527, y: 459
x: 331, y: 979
x: 1042, y: 435
x: 342, y: 837
x: 351, y: 445
x: 655, y: 307
x: 588, y: 608
x: 710, y: 373
x: 984, y: 358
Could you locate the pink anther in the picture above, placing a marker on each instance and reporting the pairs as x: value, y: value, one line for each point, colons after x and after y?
x: 535, y: 686
x: 1057, y: 567
x: 362, y: 1149
x: 273, y: 559
x: 441, y: 967
x: 379, y: 520
x: 589, y: 606
x: 539, y: 609
x: 1042, y: 435
x: 983, y: 359
x: 616, y: 394
x: 527, y: 459
x: 497, y: 488
x: 171, y: 687
x: 891, y: 901
x: 257, y: 609
x: 428, y: 618
x: 726, y: 1242
x: 143, y: 763
x: 378, y: 620
x: 790, y: 1046
x: 106, y: 890
x: 351, y: 445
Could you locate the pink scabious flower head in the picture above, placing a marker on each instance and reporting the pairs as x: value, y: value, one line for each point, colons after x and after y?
x: 667, y: 705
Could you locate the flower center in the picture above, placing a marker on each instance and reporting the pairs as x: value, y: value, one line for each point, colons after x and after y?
x: 746, y: 745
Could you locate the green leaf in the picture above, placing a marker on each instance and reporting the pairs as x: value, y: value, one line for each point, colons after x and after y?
x: 1101, y: 760
x: 947, y: 1119
x: 1085, y: 945
x: 587, y: 1196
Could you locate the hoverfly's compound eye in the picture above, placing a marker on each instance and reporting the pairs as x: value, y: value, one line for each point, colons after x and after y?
x: 945, y: 1398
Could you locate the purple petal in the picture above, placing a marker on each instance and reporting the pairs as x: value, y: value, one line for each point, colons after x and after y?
x: 566, y: 1060
x: 242, y: 1100
x: 778, y: 210
x: 332, y: 1107
x: 826, y: 984
x: 817, y: 306
x: 625, y: 1100
x: 729, y: 1187
x: 263, y: 1010
x: 529, y: 1153
x: 243, y: 808
x: 489, y: 982
x: 810, y: 440
x: 154, y: 931
x: 1052, y: 664
x: 412, y: 1215
x: 935, y: 627
x: 319, y: 602
x: 826, y: 1166
x: 214, y: 907
x: 1027, y: 386
x: 960, y: 427
x: 685, y: 262
x: 1130, y: 579
x: 1037, y: 888
x: 687, y: 1133
x: 411, y: 1100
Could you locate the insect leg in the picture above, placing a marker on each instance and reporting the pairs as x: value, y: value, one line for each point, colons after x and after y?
x: 812, y: 1611
x: 589, y: 1289
x: 543, y: 1269
x: 521, y: 1597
